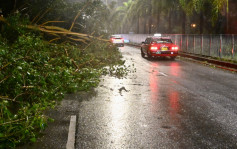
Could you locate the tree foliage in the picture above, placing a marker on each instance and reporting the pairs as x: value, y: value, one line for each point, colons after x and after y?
x: 167, y: 15
x: 46, y: 52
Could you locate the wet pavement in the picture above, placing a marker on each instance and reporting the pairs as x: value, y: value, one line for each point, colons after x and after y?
x: 164, y: 104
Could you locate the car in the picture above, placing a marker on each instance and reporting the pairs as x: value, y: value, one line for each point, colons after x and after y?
x: 159, y: 46
x: 117, y: 40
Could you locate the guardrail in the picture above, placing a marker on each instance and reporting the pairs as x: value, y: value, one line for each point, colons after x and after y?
x: 221, y: 46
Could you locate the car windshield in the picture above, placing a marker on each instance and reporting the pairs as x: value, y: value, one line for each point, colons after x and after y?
x: 162, y: 40
x: 117, y: 37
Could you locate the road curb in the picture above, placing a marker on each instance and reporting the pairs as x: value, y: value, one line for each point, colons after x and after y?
x: 222, y: 64
x: 71, y: 133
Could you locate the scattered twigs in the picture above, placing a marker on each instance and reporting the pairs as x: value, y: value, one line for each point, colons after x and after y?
x: 3, y: 20
x: 4, y: 66
x: 78, y: 14
x: 43, y: 15
x: 54, y: 39
x: 18, y: 96
x: 56, y: 28
x: 81, y: 65
x: 27, y: 87
x: 37, y: 16
x: 51, y: 22
x: 4, y: 79
x: 13, y: 121
x: 58, y: 32
x: 61, y: 31
x: 74, y: 63
x: 88, y: 45
x: 6, y: 98
x: 54, y: 34
x: 81, y: 40
x: 66, y: 52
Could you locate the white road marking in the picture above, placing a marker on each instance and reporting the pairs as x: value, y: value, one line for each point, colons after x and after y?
x: 71, y: 133
x: 163, y: 74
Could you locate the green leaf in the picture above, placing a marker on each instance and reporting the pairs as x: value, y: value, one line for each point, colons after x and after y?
x: 33, y: 139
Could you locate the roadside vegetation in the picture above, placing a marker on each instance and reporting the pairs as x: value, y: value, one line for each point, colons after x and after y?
x: 42, y: 60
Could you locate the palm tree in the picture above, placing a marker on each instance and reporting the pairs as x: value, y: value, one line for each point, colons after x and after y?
x: 213, y: 7
x: 143, y: 9
x: 150, y: 9
x: 124, y: 16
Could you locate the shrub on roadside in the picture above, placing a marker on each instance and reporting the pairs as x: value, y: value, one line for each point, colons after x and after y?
x: 35, y: 74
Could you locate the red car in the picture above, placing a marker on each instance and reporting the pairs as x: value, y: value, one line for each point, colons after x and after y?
x: 158, y: 46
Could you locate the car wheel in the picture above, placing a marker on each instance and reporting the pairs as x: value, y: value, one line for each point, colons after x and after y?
x: 173, y: 57
x: 142, y: 54
x: 149, y: 55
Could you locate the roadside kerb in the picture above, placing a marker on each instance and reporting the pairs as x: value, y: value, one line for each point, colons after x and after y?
x: 231, y: 66
x: 71, y: 133
x: 221, y: 64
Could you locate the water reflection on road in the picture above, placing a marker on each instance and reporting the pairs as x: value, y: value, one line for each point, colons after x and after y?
x: 163, y: 88
x: 118, y: 109
x: 154, y: 82
x: 174, y: 96
x: 174, y: 106
x: 131, y: 103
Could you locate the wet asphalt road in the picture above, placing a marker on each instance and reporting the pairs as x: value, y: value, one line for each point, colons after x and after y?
x: 164, y: 104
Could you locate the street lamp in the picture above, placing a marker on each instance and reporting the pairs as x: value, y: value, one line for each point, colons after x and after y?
x: 193, y: 25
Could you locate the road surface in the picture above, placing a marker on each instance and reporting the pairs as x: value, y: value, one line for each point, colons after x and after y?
x: 164, y: 104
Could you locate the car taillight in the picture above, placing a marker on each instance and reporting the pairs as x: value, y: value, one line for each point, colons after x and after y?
x: 153, y: 48
x: 175, y: 48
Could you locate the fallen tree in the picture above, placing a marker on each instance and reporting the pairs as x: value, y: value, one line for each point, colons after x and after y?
x: 35, y: 74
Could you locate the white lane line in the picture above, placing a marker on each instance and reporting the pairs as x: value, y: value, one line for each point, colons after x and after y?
x: 163, y: 74
x: 71, y: 133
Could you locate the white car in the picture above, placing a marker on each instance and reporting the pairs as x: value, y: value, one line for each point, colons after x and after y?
x: 117, y: 40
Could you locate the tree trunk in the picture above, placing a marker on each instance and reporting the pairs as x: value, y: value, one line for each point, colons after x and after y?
x: 149, y: 24
x: 184, y: 23
x: 201, y: 22
x: 145, y: 21
x: 170, y: 16
x: 158, y: 21
x: 138, y: 25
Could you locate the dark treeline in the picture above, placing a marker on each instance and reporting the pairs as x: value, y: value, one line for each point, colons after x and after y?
x: 137, y: 16
x: 93, y: 15
x: 179, y: 16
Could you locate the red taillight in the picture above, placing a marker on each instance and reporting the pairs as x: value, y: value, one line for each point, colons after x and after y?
x: 153, y: 48
x: 175, y: 48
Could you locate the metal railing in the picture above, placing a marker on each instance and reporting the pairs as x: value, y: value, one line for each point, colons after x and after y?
x: 221, y: 46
